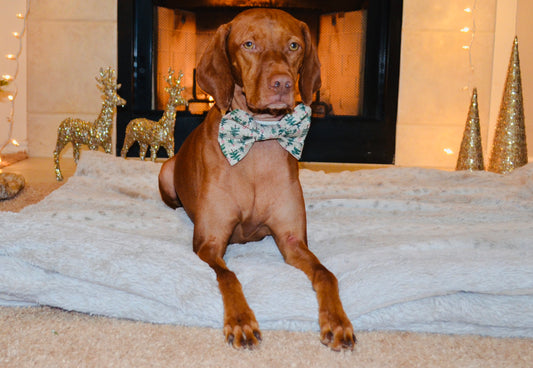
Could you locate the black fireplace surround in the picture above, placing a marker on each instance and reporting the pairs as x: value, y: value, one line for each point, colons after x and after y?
x: 365, y: 138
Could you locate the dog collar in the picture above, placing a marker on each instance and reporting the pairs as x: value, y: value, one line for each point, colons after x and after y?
x: 238, y: 132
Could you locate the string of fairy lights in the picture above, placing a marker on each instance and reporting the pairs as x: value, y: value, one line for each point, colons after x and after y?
x: 467, y: 46
x: 10, y: 80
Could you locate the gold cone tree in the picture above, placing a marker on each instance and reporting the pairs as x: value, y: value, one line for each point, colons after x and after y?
x: 509, y: 150
x: 471, y: 152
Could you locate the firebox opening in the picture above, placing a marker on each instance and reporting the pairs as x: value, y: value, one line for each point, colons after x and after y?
x: 181, y: 34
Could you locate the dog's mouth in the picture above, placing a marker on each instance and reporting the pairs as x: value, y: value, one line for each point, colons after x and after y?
x: 275, y: 109
x: 272, y: 111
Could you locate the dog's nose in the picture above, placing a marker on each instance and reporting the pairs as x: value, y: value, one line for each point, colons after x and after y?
x: 281, y: 83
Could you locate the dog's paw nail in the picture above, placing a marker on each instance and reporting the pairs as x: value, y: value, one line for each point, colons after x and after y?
x: 230, y: 339
x: 349, y: 345
x: 257, y: 335
x: 327, y: 338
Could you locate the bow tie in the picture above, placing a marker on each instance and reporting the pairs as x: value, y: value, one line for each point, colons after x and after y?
x: 238, y: 132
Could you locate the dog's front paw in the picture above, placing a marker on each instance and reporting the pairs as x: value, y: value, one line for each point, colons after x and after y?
x: 336, y: 331
x: 242, y: 330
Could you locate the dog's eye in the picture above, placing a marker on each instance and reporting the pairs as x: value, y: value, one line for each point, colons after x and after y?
x: 294, y: 46
x: 249, y: 45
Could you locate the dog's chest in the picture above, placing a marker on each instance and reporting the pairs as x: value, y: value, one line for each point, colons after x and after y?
x: 265, y: 171
x: 263, y: 183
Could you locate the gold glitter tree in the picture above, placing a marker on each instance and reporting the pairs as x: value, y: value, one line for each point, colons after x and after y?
x: 93, y: 134
x: 509, y: 150
x: 155, y: 134
x: 471, y: 153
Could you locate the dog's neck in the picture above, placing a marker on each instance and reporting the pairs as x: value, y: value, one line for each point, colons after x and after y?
x: 239, y: 102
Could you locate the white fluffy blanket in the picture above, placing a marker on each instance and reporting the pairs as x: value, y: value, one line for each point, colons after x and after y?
x: 413, y: 249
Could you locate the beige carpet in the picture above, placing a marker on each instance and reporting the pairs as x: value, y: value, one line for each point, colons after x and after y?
x: 46, y: 337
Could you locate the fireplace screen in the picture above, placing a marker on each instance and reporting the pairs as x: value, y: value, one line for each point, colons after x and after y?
x: 181, y: 36
x: 354, y: 113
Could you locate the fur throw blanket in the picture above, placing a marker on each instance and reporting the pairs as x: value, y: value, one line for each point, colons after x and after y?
x: 413, y: 249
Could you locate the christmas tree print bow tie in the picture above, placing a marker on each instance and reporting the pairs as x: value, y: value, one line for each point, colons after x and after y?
x: 238, y: 132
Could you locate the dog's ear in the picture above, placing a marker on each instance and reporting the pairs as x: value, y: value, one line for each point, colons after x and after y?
x: 309, y: 81
x: 214, y: 72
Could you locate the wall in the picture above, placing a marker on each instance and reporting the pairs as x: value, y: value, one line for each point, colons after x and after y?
x: 9, y: 44
x: 69, y: 41
x: 435, y: 69
x: 436, y: 78
x: 524, y: 30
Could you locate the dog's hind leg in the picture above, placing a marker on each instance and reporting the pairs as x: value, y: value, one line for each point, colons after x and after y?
x: 166, y: 184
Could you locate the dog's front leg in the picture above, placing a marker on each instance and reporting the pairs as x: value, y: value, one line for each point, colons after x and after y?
x: 240, y: 326
x: 336, y: 330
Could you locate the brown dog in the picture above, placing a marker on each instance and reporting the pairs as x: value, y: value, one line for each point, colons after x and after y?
x: 253, y: 64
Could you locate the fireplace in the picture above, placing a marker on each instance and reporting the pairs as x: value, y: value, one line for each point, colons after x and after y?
x: 354, y: 113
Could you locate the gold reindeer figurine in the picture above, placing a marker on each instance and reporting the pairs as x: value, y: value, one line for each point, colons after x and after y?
x: 93, y: 134
x: 155, y: 134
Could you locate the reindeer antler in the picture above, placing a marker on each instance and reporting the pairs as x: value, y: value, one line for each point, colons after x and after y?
x: 174, y: 84
x: 107, y: 78
x: 170, y: 76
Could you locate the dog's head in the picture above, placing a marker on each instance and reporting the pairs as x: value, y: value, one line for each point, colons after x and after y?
x: 255, y: 61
